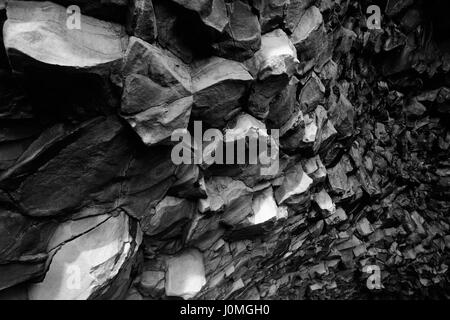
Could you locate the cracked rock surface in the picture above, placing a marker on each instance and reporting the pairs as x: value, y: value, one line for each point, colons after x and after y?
x: 92, y: 205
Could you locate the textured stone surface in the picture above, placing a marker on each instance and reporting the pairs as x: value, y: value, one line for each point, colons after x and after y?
x: 219, y: 87
x: 92, y: 205
x: 38, y: 30
x: 85, y: 258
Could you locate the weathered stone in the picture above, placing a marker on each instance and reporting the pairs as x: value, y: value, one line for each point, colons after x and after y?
x: 364, y: 227
x: 325, y: 203
x: 315, y: 169
x: 294, y: 12
x: 189, y: 183
x: 271, y: 13
x: 296, y: 182
x: 264, y: 207
x: 337, y: 217
x: 219, y: 86
x: 309, y: 38
x: 157, y: 92
x: 242, y: 36
x: 38, y: 30
x: 141, y: 21
x: 273, y: 66
x: 185, y: 275
x: 169, y: 218
x: 86, y: 257
x: 312, y: 94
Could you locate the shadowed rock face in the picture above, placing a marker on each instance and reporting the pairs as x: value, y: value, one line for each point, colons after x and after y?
x: 92, y: 205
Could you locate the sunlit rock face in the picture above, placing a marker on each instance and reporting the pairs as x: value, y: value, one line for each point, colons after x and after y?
x: 185, y: 274
x: 85, y: 258
x: 38, y: 30
x: 351, y: 123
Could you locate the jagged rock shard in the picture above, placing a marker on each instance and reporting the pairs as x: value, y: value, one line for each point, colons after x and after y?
x: 157, y: 92
x: 219, y: 86
x: 185, y: 274
x: 86, y: 259
x: 273, y: 66
x: 39, y: 30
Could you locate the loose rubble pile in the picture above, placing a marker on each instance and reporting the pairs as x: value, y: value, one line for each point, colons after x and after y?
x: 93, y: 207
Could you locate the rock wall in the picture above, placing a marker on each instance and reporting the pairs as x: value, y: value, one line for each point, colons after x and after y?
x: 92, y: 205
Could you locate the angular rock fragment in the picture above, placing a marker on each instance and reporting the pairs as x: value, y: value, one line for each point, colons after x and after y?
x: 248, y: 143
x: 264, y: 207
x: 273, y: 66
x: 315, y: 169
x: 339, y: 181
x: 219, y: 86
x: 157, y: 92
x: 229, y: 203
x: 141, y: 21
x: 364, y: 227
x: 294, y: 12
x: 308, y: 37
x: 312, y: 94
x: 169, y: 218
x: 185, y: 275
x: 86, y: 257
x: 337, y: 217
x: 271, y: 13
x: 38, y: 30
x: 296, y: 183
x: 189, y: 183
x: 242, y: 36
x: 325, y: 203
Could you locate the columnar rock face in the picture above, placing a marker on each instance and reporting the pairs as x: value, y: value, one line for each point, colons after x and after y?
x: 273, y: 66
x: 157, y: 96
x: 219, y: 87
x: 325, y: 150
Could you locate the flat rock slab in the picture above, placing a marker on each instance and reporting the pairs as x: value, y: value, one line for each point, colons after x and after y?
x: 39, y: 30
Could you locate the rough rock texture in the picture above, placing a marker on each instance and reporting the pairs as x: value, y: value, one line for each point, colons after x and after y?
x: 92, y: 205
